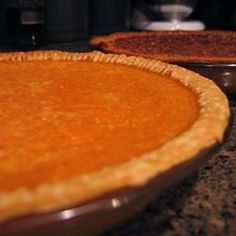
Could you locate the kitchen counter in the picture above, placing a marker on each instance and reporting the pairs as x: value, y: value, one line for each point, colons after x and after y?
x: 202, y: 204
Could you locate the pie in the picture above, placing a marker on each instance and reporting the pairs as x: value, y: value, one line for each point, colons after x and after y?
x: 75, y: 126
x: 173, y: 46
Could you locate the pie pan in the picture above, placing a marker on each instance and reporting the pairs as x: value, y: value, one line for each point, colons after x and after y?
x: 224, y: 75
x: 107, y: 211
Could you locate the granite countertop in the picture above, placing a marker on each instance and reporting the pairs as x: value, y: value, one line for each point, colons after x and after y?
x: 202, y: 204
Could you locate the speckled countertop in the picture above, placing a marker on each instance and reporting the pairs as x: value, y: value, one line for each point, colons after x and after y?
x: 203, y: 204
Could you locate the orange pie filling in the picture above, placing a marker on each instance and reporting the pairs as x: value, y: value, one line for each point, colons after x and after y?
x: 83, y: 117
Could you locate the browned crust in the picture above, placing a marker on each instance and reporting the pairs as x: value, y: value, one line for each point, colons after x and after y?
x: 106, y: 44
x: 49, y: 197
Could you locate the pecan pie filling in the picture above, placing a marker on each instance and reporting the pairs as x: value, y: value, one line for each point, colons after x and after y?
x: 207, y: 45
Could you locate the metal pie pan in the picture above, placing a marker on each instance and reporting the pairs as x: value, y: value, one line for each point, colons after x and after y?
x: 224, y: 75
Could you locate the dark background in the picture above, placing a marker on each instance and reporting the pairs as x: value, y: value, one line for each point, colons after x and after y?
x: 217, y: 14
x: 96, y: 17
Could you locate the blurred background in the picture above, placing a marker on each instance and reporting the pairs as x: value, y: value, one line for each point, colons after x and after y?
x: 28, y: 24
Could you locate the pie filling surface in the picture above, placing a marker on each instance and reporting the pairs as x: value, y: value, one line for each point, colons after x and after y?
x: 173, y: 46
x: 60, y: 119
x: 179, y: 45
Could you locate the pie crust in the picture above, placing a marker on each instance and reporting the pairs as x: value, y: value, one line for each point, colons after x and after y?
x: 214, y: 109
x: 173, y: 46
